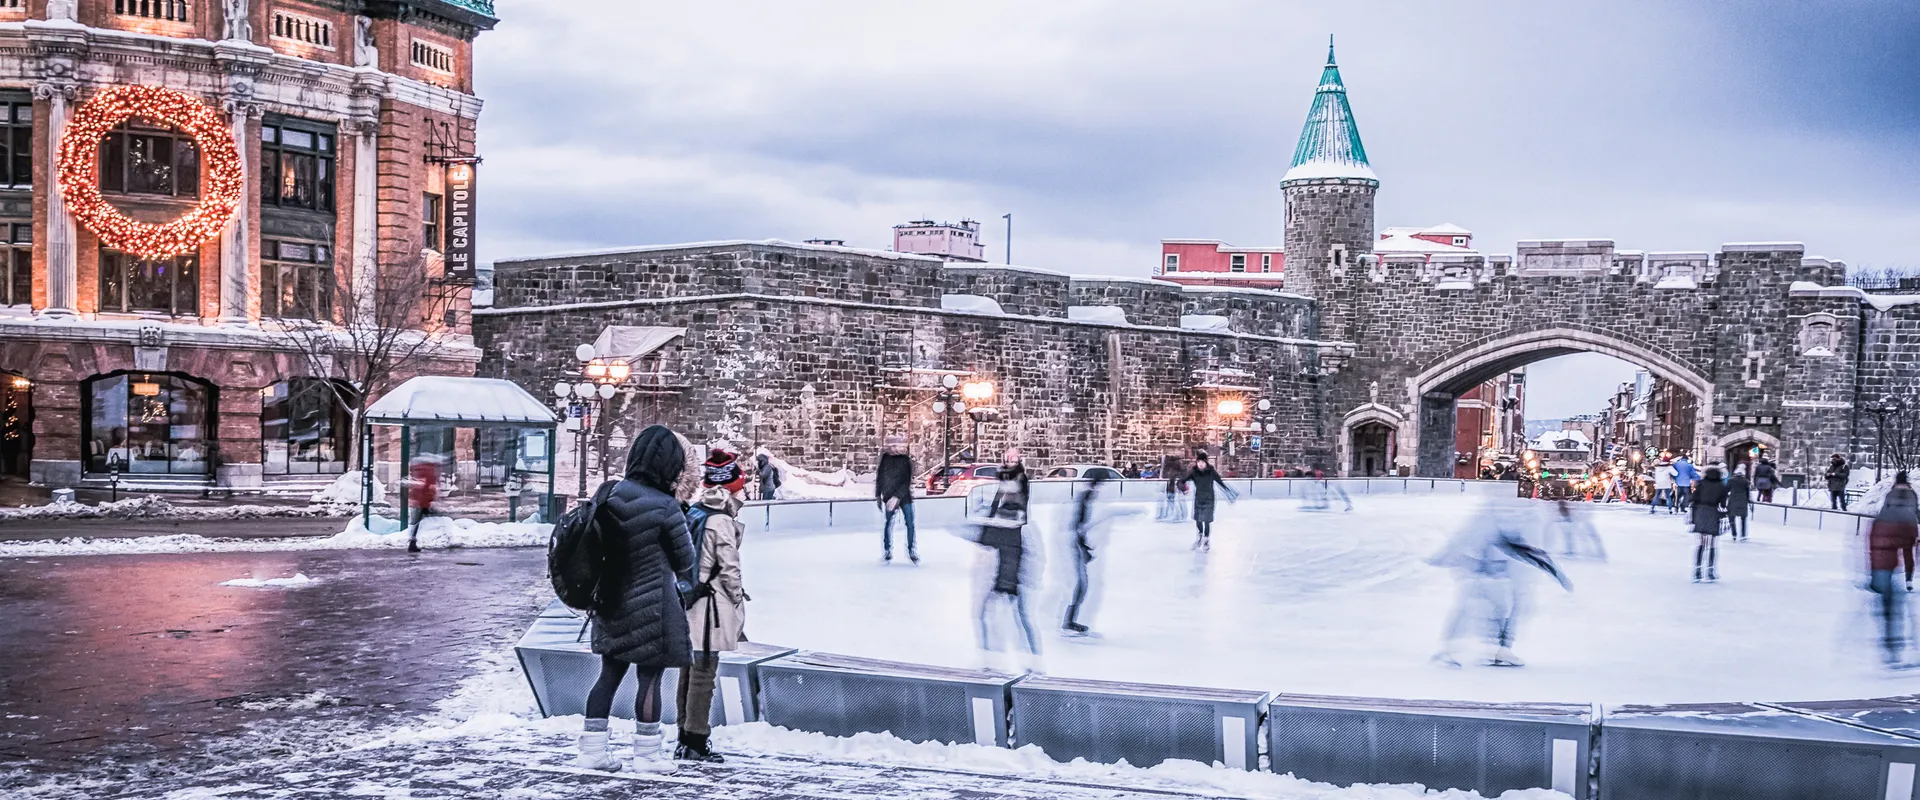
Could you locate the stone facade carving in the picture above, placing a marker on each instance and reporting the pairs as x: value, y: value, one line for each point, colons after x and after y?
x: 237, y: 24
x: 366, y: 53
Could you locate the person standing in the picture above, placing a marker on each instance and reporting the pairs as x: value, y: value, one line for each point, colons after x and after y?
x: 1893, y: 534
x: 1838, y: 474
x: 1204, y: 478
x: 637, y: 618
x: 893, y: 489
x: 1739, y: 497
x: 1765, y: 478
x: 768, y: 476
x: 1709, y: 505
x: 1002, y: 531
x: 1662, y: 487
x: 1685, y: 476
x: 716, y: 614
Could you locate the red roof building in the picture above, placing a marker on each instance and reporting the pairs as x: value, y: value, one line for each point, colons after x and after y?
x: 1211, y: 262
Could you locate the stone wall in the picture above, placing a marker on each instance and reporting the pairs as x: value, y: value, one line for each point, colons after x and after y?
x: 1256, y: 311
x: 722, y: 268
x: 1147, y: 302
x: 1019, y: 290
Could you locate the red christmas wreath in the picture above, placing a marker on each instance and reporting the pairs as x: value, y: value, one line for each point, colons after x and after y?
x: 222, y: 185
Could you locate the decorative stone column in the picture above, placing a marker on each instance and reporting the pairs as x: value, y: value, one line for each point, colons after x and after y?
x: 366, y: 215
x: 235, y: 274
x: 63, y: 256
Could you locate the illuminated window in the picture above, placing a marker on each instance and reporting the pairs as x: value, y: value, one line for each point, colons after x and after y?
x: 296, y: 164
x: 166, y: 285
x: 303, y: 29
x: 432, y: 56
x: 141, y: 158
x: 296, y: 279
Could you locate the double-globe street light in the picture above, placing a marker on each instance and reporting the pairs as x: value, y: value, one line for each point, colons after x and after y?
x: 1233, y: 408
x: 584, y: 398
x: 954, y: 398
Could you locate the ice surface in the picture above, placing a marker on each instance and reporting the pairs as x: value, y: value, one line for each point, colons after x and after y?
x: 1329, y: 603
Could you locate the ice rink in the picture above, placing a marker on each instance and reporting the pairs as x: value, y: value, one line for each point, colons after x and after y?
x: 1343, y: 603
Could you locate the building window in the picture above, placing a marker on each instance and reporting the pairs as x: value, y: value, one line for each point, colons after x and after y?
x: 432, y: 56
x: 296, y: 165
x: 170, y: 10
x: 16, y: 264
x: 168, y: 285
x: 1459, y: 241
x: 303, y: 427
x: 1237, y: 262
x: 303, y: 29
x: 13, y: 5
x: 147, y: 423
x: 16, y: 140
x: 431, y: 211
x: 1266, y: 262
x: 140, y: 158
x: 296, y: 280
x: 1173, y: 262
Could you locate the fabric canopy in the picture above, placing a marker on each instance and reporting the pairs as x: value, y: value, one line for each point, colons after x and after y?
x: 484, y: 401
x: 628, y: 342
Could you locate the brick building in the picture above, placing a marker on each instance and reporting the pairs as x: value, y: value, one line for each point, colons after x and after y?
x: 1210, y: 262
x: 354, y: 124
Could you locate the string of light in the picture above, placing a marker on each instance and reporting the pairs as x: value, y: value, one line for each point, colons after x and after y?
x: 222, y: 185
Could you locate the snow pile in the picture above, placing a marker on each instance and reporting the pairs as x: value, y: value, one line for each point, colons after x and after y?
x: 797, y: 483
x: 972, y: 304
x: 298, y: 579
x: 156, y: 507
x: 305, y: 702
x: 436, y: 533
x: 345, y: 491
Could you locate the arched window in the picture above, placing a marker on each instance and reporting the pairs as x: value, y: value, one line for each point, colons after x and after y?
x: 148, y: 423
x: 304, y: 427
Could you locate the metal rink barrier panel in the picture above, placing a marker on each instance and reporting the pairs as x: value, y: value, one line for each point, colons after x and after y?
x: 1489, y: 748
x: 845, y: 695
x: 1749, y: 752
x: 557, y: 656
x: 1141, y: 724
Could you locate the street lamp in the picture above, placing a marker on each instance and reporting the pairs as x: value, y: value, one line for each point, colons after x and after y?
x: 945, y: 404
x: 603, y: 377
x: 1887, y: 404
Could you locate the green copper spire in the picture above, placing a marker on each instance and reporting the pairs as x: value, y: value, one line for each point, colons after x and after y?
x: 1330, y: 143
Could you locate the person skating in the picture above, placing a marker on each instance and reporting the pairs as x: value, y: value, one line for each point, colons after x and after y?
x: 1892, y: 535
x: 1173, y: 509
x: 1087, y: 519
x: 637, y: 618
x: 716, y: 614
x: 768, y: 476
x: 1739, y: 499
x: 1480, y: 555
x: 1709, y: 506
x: 1685, y: 477
x: 1837, y: 474
x: 1663, y: 476
x: 893, y: 489
x: 1204, y: 478
x: 1002, y: 529
x: 1765, y: 478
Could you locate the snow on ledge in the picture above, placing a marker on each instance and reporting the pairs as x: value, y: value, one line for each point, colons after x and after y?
x: 1205, y: 322
x: 1114, y: 315
x: 1880, y: 302
x: 972, y: 303
x: 1313, y: 170
x: 1676, y: 282
x: 1005, y: 268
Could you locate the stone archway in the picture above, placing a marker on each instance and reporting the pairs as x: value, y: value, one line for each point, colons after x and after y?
x: 1369, y: 441
x: 1436, y: 387
x: 1733, y: 446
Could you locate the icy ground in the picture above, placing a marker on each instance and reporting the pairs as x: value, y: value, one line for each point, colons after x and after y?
x: 1332, y: 603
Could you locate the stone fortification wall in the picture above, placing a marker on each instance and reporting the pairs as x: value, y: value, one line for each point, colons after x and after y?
x: 1019, y: 290
x: 1146, y: 301
x: 770, y: 268
x: 1256, y: 311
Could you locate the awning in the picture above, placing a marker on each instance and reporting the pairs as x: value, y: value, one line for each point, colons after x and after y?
x: 629, y: 342
x: 460, y: 401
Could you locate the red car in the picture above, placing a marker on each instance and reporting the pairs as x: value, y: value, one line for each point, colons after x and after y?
x: 960, y: 478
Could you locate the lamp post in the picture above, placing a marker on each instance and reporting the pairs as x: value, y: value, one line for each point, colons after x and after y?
x: 1230, y: 409
x: 603, y: 377
x: 978, y: 394
x: 944, y: 404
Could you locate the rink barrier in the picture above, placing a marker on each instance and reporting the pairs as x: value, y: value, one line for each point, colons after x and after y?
x: 844, y: 695
x: 1751, y: 751
x: 1488, y: 748
x: 557, y: 656
x: 1142, y: 724
x: 1820, y: 519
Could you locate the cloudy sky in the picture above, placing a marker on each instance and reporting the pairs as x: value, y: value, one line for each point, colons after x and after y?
x: 1104, y: 127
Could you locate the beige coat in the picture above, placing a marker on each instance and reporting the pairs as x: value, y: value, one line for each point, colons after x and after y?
x: 716, y: 626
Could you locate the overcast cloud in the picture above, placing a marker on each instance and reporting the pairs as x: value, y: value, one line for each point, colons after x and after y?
x: 1107, y: 126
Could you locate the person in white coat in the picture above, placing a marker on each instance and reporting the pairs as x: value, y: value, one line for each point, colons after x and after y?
x: 716, y: 615
x: 1663, y: 477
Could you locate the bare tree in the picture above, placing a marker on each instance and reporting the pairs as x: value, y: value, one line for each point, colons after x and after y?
x: 1884, y: 277
x: 373, y: 333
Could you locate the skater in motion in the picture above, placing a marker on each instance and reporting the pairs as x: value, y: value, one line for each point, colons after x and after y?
x: 1573, y: 528
x: 1663, y: 477
x: 1088, y: 519
x: 1709, y: 507
x: 1205, y: 478
x: 637, y: 618
x: 1482, y: 555
x: 1892, y: 536
x: 1001, y: 530
x: 1172, y: 508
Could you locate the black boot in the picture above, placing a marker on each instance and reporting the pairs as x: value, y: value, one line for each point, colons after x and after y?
x: 696, y: 747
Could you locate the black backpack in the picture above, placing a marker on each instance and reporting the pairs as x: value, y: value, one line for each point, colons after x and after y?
x: 574, y: 552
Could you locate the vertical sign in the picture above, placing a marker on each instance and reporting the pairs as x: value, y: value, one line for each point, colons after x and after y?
x: 459, y: 255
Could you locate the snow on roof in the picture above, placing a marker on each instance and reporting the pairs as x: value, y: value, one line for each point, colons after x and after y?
x: 1110, y: 314
x: 437, y: 398
x: 1880, y: 302
x: 1551, y: 439
x: 1205, y: 322
x: 633, y: 341
x: 1401, y: 243
x: 973, y: 303
x: 1447, y: 229
x: 1329, y: 169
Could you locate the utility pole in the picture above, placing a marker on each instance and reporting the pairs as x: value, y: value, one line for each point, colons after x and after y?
x: 1009, y: 219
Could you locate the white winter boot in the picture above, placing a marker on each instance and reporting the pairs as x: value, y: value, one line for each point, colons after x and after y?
x: 648, y: 755
x: 1506, y: 658
x: 593, y: 753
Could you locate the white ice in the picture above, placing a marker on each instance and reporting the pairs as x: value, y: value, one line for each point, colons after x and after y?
x: 1332, y: 603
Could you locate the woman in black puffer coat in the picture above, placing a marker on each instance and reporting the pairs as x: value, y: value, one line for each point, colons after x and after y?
x: 637, y: 616
x: 1709, y: 507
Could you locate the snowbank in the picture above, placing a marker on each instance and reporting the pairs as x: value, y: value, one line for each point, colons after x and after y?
x: 345, y: 491
x: 298, y: 579
x: 803, y: 484
x: 437, y: 533
x: 154, y: 507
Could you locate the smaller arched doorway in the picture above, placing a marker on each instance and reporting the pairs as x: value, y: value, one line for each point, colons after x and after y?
x: 1747, y: 446
x: 1370, y: 443
x: 16, y: 424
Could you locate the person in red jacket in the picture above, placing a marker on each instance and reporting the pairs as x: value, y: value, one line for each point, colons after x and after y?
x: 423, y: 484
x: 1894, y: 531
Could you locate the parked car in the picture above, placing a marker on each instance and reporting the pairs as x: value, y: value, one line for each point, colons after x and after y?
x: 960, y: 478
x: 1081, y: 472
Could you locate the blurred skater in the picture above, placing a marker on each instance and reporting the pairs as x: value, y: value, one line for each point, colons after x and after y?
x: 1088, y: 519
x: 1892, y: 536
x: 1204, y: 478
x: 893, y: 488
x: 1001, y: 529
x: 1709, y: 507
x: 1765, y: 478
x: 1574, y: 531
x: 1739, y: 502
x: 1481, y: 555
x: 1173, y: 508
x: 423, y: 485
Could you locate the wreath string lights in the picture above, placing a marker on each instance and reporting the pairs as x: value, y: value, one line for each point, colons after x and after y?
x: 222, y: 184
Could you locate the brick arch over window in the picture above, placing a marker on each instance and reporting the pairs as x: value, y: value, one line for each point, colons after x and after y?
x: 1441, y: 382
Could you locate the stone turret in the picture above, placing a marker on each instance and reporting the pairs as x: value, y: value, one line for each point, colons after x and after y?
x: 1329, y: 192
